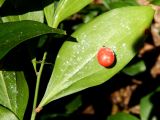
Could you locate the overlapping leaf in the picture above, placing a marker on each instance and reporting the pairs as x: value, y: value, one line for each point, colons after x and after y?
x: 49, y: 14
x: 36, y: 16
x: 76, y: 66
x: 6, y: 114
x: 122, y: 116
x: 66, y: 8
x: 147, y: 105
x: 13, y: 88
x: 14, y: 33
x: 112, y: 4
x: 135, y: 68
x: 1, y: 2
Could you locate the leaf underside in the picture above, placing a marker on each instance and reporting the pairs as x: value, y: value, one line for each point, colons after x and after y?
x: 14, y: 33
x: 76, y: 66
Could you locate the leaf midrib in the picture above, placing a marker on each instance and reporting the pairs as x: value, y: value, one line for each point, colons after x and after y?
x: 65, y: 81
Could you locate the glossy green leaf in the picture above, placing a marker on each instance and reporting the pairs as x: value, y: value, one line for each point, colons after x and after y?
x: 6, y: 114
x: 122, y: 116
x: 66, y: 8
x: 76, y: 66
x: 135, y: 69
x: 49, y: 14
x: 13, y: 88
x: 35, y: 16
x: 146, y: 105
x: 14, y: 33
x: 1, y: 2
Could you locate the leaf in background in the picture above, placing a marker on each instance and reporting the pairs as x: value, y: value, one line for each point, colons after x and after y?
x: 135, y: 69
x: 106, y: 4
x: 112, y: 4
x: 14, y: 33
x: 90, y: 16
x: 66, y: 8
x: 73, y: 105
x: 35, y: 16
x: 6, y: 114
x: 13, y: 88
x: 70, y: 108
x: 146, y: 105
x: 49, y: 14
x: 1, y: 20
x: 155, y: 2
x: 122, y: 116
x: 1, y: 2
x: 76, y: 66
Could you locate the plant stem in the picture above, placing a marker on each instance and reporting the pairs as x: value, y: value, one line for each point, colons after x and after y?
x: 33, y: 116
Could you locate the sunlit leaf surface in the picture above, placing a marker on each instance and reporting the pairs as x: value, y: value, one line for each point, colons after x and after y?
x: 76, y: 66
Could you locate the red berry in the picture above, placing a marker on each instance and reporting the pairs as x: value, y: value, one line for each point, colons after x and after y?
x: 106, y: 57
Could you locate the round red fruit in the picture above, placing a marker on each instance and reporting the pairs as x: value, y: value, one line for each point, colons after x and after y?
x: 106, y: 57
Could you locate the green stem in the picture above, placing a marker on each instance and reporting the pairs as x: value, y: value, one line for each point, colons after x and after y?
x: 33, y: 116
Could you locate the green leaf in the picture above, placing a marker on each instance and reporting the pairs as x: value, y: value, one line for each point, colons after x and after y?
x: 6, y: 114
x: 22, y: 92
x: 1, y: 20
x: 13, y: 88
x: 49, y: 14
x: 73, y: 105
x: 66, y: 8
x: 119, y: 4
x: 35, y: 16
x: 147, y: 105
x: 1, y: 2
x: 90, y: 16
x: 76, y: 66
x: 14, y: 33
x: 155, y: 2
x: 135, y: 69
x: 122, y: 116
x: 112, y: 4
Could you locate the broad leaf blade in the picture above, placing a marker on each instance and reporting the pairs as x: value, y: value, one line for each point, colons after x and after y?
x: 122, y: 116
x: 35, y: 16
x: 13, y: 88
x: 14, y: 33
x: 76, y: 66
x: 5, y: 114
x: 66, y: 8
